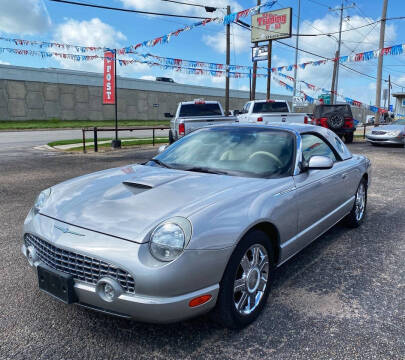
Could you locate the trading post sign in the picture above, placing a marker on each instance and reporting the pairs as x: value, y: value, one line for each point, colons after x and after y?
x: 109, y: 78
x: 271, y: 25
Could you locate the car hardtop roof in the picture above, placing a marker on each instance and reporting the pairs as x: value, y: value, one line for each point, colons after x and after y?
x: 294, y: 127
x: 202, y: 101
x: 271, y: 100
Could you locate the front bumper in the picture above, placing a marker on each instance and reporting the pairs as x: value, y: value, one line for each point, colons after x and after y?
x: 163, y: 291
x: 383, y: 139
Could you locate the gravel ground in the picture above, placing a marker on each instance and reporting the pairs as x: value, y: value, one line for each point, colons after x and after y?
x: 340, y: 298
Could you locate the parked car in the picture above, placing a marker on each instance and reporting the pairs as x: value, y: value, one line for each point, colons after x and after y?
x: 338, y: 118
x: 270, y: 111
x: 393, y: 133
x: 164, y: 79
x: 193, y: 115
x: 199, y: 227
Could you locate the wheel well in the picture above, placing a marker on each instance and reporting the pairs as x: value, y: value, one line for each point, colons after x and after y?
x: 271, y: 231
x: 365, y: 177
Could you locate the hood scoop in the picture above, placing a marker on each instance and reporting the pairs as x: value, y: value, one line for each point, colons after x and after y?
x: 136, y: 188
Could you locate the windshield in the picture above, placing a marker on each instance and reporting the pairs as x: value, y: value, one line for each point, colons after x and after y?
x: 399, y: 122
x: 327, y: 110
x: 270, y: 107
x: 239, y: 151
x: 190, y: 110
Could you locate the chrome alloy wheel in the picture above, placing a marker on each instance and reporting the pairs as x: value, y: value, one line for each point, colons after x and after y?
x: 360, y: 201
x: 251, y: 279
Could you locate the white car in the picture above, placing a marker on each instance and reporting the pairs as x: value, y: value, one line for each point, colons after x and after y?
x: 270, y: 111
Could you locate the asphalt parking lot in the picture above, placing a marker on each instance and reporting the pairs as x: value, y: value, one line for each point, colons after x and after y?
x: 343, y: 297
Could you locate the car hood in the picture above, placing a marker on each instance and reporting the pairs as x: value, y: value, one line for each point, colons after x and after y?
x: 129, y: 202
x: 389, y: 128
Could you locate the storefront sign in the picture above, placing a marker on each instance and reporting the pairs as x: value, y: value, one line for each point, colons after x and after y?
x: 271, y: 25
x: 109, y: 78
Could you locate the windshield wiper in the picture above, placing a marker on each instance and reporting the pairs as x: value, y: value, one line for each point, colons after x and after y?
x: 206, y: 170
x: 161, y: 163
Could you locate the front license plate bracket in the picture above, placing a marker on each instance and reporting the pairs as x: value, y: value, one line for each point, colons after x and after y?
x: 56, y: 284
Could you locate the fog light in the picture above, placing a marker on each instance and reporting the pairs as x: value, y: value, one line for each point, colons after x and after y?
x: 31, y: 255
x: 199, y: 300
x: 108, y: 289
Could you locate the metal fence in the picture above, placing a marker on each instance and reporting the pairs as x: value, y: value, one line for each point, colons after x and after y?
x: 95, y: 131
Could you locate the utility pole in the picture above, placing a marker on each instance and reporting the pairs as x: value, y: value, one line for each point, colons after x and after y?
x: 389, y: 91
x: 342, y: 7
x: 255, y: 67
x: 269, y: 50
x: 228, y: 59
x: 380, y: 61
x: 296, y: 52
x: 332, y: 88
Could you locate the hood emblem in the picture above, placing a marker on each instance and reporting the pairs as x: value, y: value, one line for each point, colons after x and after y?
x: 66, y: 230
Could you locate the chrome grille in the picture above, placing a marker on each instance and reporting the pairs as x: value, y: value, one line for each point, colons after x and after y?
x: 378, y: 132
x: 81, y: 267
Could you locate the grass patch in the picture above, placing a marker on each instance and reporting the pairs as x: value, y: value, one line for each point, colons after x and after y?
x: 74, y: 124
x: 127, y: 143
x: 75, y: 141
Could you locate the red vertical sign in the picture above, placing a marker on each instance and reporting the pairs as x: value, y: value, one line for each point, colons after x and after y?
x: 109, y: 78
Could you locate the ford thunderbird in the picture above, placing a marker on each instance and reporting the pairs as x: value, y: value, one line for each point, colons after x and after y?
x: 199, y: 228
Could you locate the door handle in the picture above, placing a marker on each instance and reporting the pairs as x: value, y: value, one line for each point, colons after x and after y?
x: 344, y: 176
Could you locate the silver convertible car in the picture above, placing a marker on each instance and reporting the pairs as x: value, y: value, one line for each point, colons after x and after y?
x: 200, y: 227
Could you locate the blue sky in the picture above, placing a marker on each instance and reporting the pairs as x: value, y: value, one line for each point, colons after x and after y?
x: 49, y: 21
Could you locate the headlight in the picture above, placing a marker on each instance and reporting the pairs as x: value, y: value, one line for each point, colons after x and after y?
x: 169, y: 239
x: 393, y: 133
x: 41, y: 199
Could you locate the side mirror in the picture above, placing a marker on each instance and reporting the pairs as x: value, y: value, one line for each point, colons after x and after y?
x: 169, y: 115
x: 162, y: 148
x: 319, y: 163
x: 236, y: 112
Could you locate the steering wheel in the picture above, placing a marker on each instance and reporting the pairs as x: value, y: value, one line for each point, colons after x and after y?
x: 270, y: 155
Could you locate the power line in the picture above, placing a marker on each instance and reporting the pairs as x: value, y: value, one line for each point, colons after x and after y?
x: 320, y: 56
x: 127, y: 10
x: 191, y: 4
x: 323, y: 34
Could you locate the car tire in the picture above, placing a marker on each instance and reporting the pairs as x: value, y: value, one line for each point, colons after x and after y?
x: 358, y: 212
x: 171, y: 139
x: 245, y: 285
x: 335, y: 121
x: 349, y: 138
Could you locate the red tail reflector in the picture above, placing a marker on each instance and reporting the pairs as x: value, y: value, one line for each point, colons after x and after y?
x: 199, y: 300
x: 260, y: 119
x: 305, y: 119
x: 182, y: 129
x: 348, y: 123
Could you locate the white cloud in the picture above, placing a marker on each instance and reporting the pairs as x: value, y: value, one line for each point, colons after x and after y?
x: 24, y: 16
x: 173, y: 8
x: 240, y: 40
x: 90, y: 33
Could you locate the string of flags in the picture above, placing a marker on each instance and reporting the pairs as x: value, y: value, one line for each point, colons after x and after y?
x: 164, y: 39
x: 315, y: 88
x: 363, y: 56
x: 196, y: 69
x: 46, y: 44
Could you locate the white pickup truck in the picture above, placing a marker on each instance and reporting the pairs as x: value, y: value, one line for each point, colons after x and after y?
x: 193, y: 115
x: 269, y: 111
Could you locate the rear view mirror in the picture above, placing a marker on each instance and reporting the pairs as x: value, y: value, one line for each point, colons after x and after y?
x: 168, y: 115
x: 162, y: 148
x: 236, y: 112
x: 319, y: 163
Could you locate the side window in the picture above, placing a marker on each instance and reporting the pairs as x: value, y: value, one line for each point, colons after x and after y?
x: 339, y: 145
x: 246, y: 108
x: 313, y: 145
